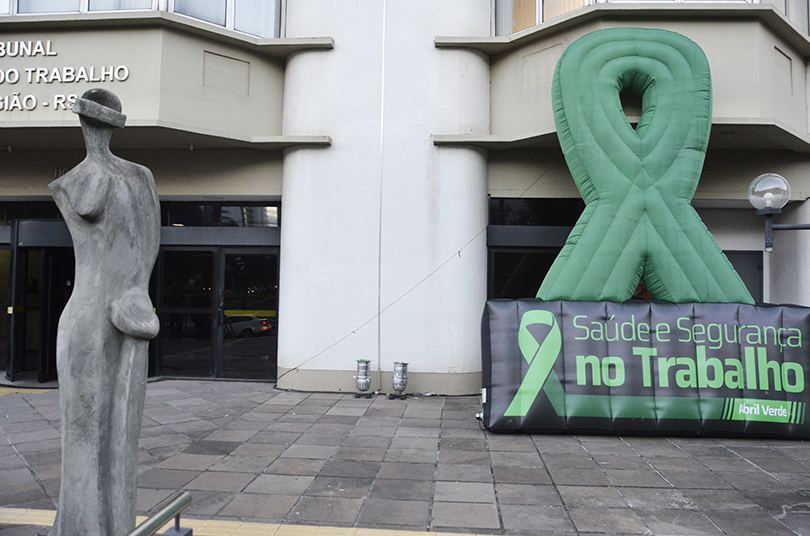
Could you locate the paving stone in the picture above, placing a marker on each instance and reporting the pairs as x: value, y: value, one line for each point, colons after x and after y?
x: 280, y: 484
x: 464, y: 473
x: 239, y: 436
x: 402, y: 490
x: 516, y: 459
x: 272, y: 508
x: 192, y: 462
x: 420, y: 443
x: 643, y: 479
x: 695, y: 480
x: 280, y: 437
x: 464, y: 457
x: 464, y: 443
x: 779, y: 502
x: 219, y: 481
x: 679, y: 523
x: 367, y: 454
x: 528, y: 495
x: 464, y: 516
x: 406, y: 471
x: 720, y: 499
x: 333, y: 486
x: 208, y: 503
x: 150, y: 498
x: 313, y: 452
x: 399, y: 513
x: 749, y: 481
x: 241, y: 464
x: 582, y: 496
x: 329, y: 510
x: 533, y: 519
x: 608, y: 520
x: 267, y: 450
x: 166, y: 478
x: 656, y: 498
x: 295, y: 466
x: 212, y: 447
x: 350, y: 468
x: 749, y: 524
x: 579, y: 477
x: 520, y: 475
x: 470, y: 492
x: 411, y: 456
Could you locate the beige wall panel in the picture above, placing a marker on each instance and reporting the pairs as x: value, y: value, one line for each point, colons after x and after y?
x: 742, y: 56
x: 521, y: 85
x: 530, y: 173
x: 132, y: 54
x: 238, y: 172
x: 726, y: 174
x: 238, y: 92
x: 783, y: 82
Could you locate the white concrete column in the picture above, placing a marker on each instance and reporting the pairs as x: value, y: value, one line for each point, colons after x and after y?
x: 383, y: 252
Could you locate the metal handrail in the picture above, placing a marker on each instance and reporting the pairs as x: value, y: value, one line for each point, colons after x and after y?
x: 173, y: 509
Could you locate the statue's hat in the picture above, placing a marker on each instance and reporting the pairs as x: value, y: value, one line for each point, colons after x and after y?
x: 101, y: 105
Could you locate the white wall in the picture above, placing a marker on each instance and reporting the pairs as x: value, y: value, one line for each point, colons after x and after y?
x: 383, y: 236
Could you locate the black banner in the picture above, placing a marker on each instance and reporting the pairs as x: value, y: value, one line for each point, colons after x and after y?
x: 646, y: 368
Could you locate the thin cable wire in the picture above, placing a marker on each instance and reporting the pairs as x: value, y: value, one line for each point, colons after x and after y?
x: 381, y: 311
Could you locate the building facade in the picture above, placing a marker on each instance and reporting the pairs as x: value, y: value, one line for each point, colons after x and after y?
x: 353, y: 180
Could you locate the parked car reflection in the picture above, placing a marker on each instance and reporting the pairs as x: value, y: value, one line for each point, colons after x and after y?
x: 245, y: 326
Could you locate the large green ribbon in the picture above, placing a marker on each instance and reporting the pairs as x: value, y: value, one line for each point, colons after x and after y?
x: 637, y: 183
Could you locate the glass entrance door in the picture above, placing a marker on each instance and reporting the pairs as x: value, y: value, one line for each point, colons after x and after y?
x: 249, y: 314
x: 218, y: 309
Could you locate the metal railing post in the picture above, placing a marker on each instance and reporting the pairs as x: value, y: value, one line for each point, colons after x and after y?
x: 173, y: 509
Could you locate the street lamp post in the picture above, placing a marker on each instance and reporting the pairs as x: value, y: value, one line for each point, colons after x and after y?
x: 769, y: 193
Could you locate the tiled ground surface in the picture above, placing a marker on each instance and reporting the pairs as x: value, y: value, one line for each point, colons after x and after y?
x: 247, y: 452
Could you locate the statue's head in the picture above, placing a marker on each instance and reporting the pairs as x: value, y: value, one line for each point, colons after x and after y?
x: 100, y: 108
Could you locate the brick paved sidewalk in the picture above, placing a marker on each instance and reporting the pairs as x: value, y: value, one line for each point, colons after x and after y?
x: 247, y: 452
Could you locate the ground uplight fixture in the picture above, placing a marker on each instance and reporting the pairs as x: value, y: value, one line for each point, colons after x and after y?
x: 362, y: 379
x: 399, y: 380
x: 769, y: 193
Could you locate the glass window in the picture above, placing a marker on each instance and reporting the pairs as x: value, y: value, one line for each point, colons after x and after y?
x: 241, y: 216
x: 4, y: 7
x: 514, y: 15
x: 189, y: 215
x: 256, y: 18
x: 115, y: 5
x: 31, y: 210
x: 47, y: 6
x: 207, y: 10
x: 535, y: 211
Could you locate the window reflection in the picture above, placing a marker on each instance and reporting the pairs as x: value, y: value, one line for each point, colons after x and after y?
x: 115, y: 5
x: 247, y: 216
x: 210, y: 10
x: 47, y: 6
x: 256, y: 18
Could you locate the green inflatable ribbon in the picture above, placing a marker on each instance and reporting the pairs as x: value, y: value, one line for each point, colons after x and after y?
x: 637, y: 183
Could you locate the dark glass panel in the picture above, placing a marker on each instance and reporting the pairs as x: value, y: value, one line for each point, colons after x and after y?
x: 28, y: 210
x: 562, y: 212
x: 190, y: 214
x: 186, y: 344
x: 249, y: 216
x: 518, y: 274
x: 250, y: 334
x: 189, y: 277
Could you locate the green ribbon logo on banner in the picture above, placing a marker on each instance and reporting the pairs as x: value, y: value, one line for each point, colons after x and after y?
x: 541, y: 359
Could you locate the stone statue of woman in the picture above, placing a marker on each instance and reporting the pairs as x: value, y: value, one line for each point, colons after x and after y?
x: 112, y: 211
